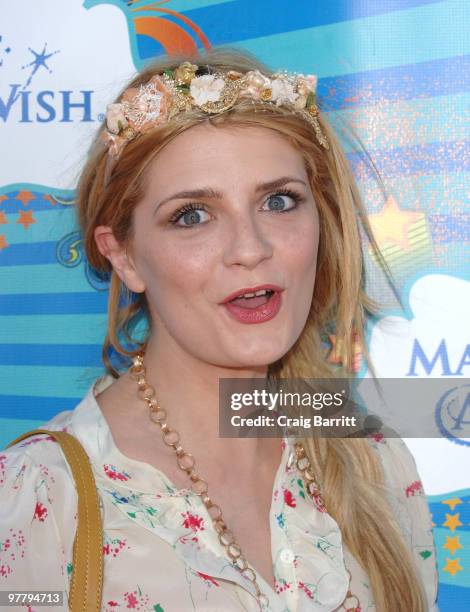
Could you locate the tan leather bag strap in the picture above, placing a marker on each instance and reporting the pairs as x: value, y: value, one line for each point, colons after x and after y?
x: 87, y: 576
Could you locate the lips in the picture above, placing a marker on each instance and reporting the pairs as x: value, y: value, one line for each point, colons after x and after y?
x: 245, y: 312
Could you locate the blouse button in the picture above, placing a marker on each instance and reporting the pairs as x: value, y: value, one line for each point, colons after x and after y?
x: 286, y: 555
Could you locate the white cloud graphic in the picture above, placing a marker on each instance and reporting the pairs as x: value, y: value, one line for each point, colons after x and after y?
x: 90, y: 52
x: 433, y: 343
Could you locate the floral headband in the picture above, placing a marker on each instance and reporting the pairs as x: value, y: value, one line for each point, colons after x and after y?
x: 189, y: 86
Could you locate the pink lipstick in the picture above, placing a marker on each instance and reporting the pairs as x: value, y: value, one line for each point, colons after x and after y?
x: 254, y: 304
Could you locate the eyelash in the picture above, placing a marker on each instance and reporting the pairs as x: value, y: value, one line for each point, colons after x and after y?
x: 195, y: 206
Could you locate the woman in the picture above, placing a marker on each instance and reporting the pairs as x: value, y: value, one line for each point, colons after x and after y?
x: 213, y: 178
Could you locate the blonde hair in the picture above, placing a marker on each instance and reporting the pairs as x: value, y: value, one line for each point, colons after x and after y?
x: 348, y: 470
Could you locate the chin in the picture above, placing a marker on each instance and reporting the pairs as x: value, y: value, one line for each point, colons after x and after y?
x: 259, y: 357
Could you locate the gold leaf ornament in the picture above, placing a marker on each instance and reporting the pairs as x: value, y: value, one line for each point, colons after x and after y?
x: 185, y: 72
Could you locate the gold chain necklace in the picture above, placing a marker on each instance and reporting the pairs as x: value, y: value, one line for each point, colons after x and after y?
x: 187, y: 463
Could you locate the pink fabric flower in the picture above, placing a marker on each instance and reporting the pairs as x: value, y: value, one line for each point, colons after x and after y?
x: 193, y: 521
x: 112, y: 472
x: 148, y: 106
x: 40, y: 512
x: 114, y: 143
x: 415, y: 488
x: 115, y: 119
x: 289, y: 499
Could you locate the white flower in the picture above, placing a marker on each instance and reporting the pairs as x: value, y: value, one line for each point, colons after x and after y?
x: 306, y: 83
x: 206, y: 88
x: 115, y: 119
x: 283, y: 91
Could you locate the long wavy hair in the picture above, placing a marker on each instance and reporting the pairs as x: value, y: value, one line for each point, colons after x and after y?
x: 348, y: 470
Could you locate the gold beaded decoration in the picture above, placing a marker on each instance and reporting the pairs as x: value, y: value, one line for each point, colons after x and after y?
x: 169, y: 94
x: 311, y: 115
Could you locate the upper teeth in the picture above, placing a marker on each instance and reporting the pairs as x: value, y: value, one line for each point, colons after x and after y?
x: 260, y: 292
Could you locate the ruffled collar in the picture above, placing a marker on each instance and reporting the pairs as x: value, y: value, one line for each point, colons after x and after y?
x: 307, y: 550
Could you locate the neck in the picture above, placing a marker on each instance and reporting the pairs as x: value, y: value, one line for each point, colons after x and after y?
x: 188, y: 389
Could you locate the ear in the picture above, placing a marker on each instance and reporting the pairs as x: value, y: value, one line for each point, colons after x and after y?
x: 117, y: 254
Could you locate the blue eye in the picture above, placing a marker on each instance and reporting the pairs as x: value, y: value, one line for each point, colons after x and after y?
x: 190, y: 213
x: 280, y: 203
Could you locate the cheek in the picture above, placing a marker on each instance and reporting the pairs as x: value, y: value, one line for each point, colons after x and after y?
x: 300, y: 248
x: 174, y: 266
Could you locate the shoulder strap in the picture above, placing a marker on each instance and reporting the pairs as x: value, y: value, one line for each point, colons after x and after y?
x: 87, y: 576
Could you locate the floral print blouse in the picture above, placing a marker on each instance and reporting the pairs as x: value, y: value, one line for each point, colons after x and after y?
x: 161, y: 552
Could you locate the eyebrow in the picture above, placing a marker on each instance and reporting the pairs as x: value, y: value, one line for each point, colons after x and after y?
x: 208, y: 192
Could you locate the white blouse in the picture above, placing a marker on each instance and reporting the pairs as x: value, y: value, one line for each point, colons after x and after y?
x: 161, y: 551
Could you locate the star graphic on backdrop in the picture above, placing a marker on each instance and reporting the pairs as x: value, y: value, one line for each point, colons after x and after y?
x: 452, y: 502
x: 452, y: 566
x: 40, y: 60
x: 3, y: 218
x: 452, y: 544
x: 25, y: 197
x: 3, y: 242
x: 3, y: 197
x: 392, y: 224
x: 452, y: 521
x: 26, y: 218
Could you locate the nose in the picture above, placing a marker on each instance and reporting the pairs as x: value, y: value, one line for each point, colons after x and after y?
x: 246, y: 244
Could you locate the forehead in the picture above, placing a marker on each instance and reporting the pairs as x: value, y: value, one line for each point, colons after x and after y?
x: 228, y: 153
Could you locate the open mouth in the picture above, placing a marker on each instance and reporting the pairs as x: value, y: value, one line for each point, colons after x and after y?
x: 255, y: 308
x: 253, y: 301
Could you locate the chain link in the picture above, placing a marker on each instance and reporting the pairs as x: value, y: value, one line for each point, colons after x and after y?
x: 187, y: 463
